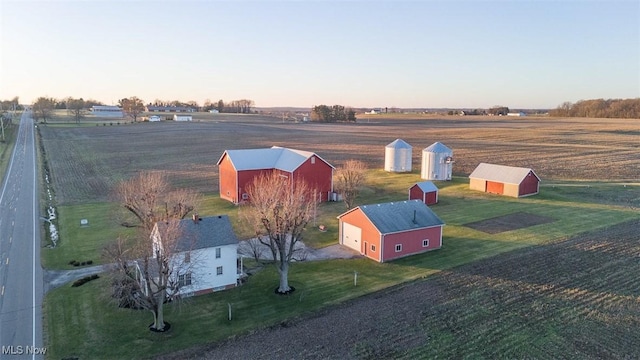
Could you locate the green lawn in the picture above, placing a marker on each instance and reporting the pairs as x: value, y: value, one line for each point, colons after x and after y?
x: 81, y: 322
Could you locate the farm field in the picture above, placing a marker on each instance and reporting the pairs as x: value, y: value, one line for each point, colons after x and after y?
x: 93, y: 158
x: 97, y: 157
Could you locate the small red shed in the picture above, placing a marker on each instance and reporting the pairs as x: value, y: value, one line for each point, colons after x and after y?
x: 388, y: 231
x: 504, y: 180
x: 425, y: 191
x: 237, y: 168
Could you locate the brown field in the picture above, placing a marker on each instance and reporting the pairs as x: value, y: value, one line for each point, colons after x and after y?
x: 88, y: 160
x: 574, y: 299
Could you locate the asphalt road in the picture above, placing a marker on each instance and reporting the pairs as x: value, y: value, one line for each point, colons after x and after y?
x: 21, y: 282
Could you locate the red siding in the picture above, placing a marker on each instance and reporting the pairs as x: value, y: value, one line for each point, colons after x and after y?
x: 370, y: 234
x: 495, y: 187
x: 227, y: 182
x: 318, y: 175
x: 411, y: 242
x: 431, y: 198
x: 245, y: 177
x: 529, y: 185
x: 415, y: 193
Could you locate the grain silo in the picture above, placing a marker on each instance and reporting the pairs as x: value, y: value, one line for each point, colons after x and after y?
x: 437, y: 162
x: 397, y: 156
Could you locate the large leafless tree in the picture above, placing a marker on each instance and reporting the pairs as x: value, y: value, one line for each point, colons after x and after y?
x: 43, y: 108
x: 132, y: 106
x: 348, y: 180
x: 77, y: 108
x: 149, y: 270
x: 279, y: 210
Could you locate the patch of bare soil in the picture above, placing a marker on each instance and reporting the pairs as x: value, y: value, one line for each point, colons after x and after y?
x: 575, y: 299
x: 515, y: 221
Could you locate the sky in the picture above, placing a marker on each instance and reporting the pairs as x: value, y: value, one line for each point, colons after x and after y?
x: 405, y: 54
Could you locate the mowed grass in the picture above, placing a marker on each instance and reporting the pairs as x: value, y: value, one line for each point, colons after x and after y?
x: 82, y: 322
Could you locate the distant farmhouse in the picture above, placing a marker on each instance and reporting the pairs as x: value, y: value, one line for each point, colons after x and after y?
x: 107, y: 111
x: 172, y: 109
x: 238, y: 168
x: 504, y: 180
x: 388, y: 231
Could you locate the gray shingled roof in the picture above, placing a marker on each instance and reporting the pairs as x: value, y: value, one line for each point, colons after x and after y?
x: 437, y: 147
x: 501, y: 173
x: 399, y: 216
x: 399, y: 144
x: 207, y: 232
x: 427, y: 186
x: 276, y: 157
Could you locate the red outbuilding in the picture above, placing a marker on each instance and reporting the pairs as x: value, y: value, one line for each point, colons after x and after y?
x: 238, y: 168
x: 425, y: 191
x: 388, y: 231
x: 504, y: 180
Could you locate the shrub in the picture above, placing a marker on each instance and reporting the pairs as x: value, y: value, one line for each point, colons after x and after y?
x: 84, y: 280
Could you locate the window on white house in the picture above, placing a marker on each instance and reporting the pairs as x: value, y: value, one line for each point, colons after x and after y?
x: 184, y: 280
x: 219, y: 270
x: 218, y: 253
x: 373, y: 248
x: 187, y: 257
x: 425, y: 243
x: 398, y: 247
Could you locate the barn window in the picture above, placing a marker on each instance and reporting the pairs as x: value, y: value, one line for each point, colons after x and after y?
x: 219, y: 270
x: 187, y: 257
x: 425, y: 243
x: 373, y: 247
x: 313, y: 159
x: 398, y: 247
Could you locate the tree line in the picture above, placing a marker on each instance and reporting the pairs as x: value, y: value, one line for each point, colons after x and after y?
x: 600, y: 108
x: 335, y: 113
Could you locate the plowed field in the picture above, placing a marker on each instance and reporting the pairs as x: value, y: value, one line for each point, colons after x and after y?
x: 87, y: 161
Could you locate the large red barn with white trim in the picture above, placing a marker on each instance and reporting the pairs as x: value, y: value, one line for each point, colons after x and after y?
x: 388, y: 231
x: 237, y: 168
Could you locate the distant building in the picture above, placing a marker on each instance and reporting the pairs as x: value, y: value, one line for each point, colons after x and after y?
x: 516, y: 114
x: 107, y: 111
x: 178, y: 109
x: 177, y: 117
x: 504, y: 180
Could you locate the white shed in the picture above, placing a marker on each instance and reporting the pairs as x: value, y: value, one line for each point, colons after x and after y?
x: 397, y: 156
x: 437, y: 162
x: 177, y: 117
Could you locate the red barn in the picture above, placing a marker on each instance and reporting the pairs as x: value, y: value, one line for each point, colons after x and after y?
x: 388, y: 231
x: 425, y: 191
x: 239, y: 167
x: 504, y: 180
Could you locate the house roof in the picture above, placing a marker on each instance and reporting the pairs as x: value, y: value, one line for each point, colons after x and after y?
x: 399, y: 144
x: 501, y: 173
x: 399, y: 216
x: 205, y: 233
x: 427, y: 186
x: 437, y: 147
x: 275, y: 157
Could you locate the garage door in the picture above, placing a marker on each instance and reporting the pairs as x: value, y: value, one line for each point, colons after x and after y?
x: 495, y: 187
x: 351, y: 236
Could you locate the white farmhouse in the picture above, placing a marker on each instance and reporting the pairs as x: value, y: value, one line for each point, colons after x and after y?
x: 212, y: 247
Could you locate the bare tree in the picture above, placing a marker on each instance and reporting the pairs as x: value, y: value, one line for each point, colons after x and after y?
x: 279, y: 211
x: 149, y: 198
x: 349, y: 178
x: 76, y: 107
x: 43, y: 108
x: 132, y: 106
x: 150, y: 269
